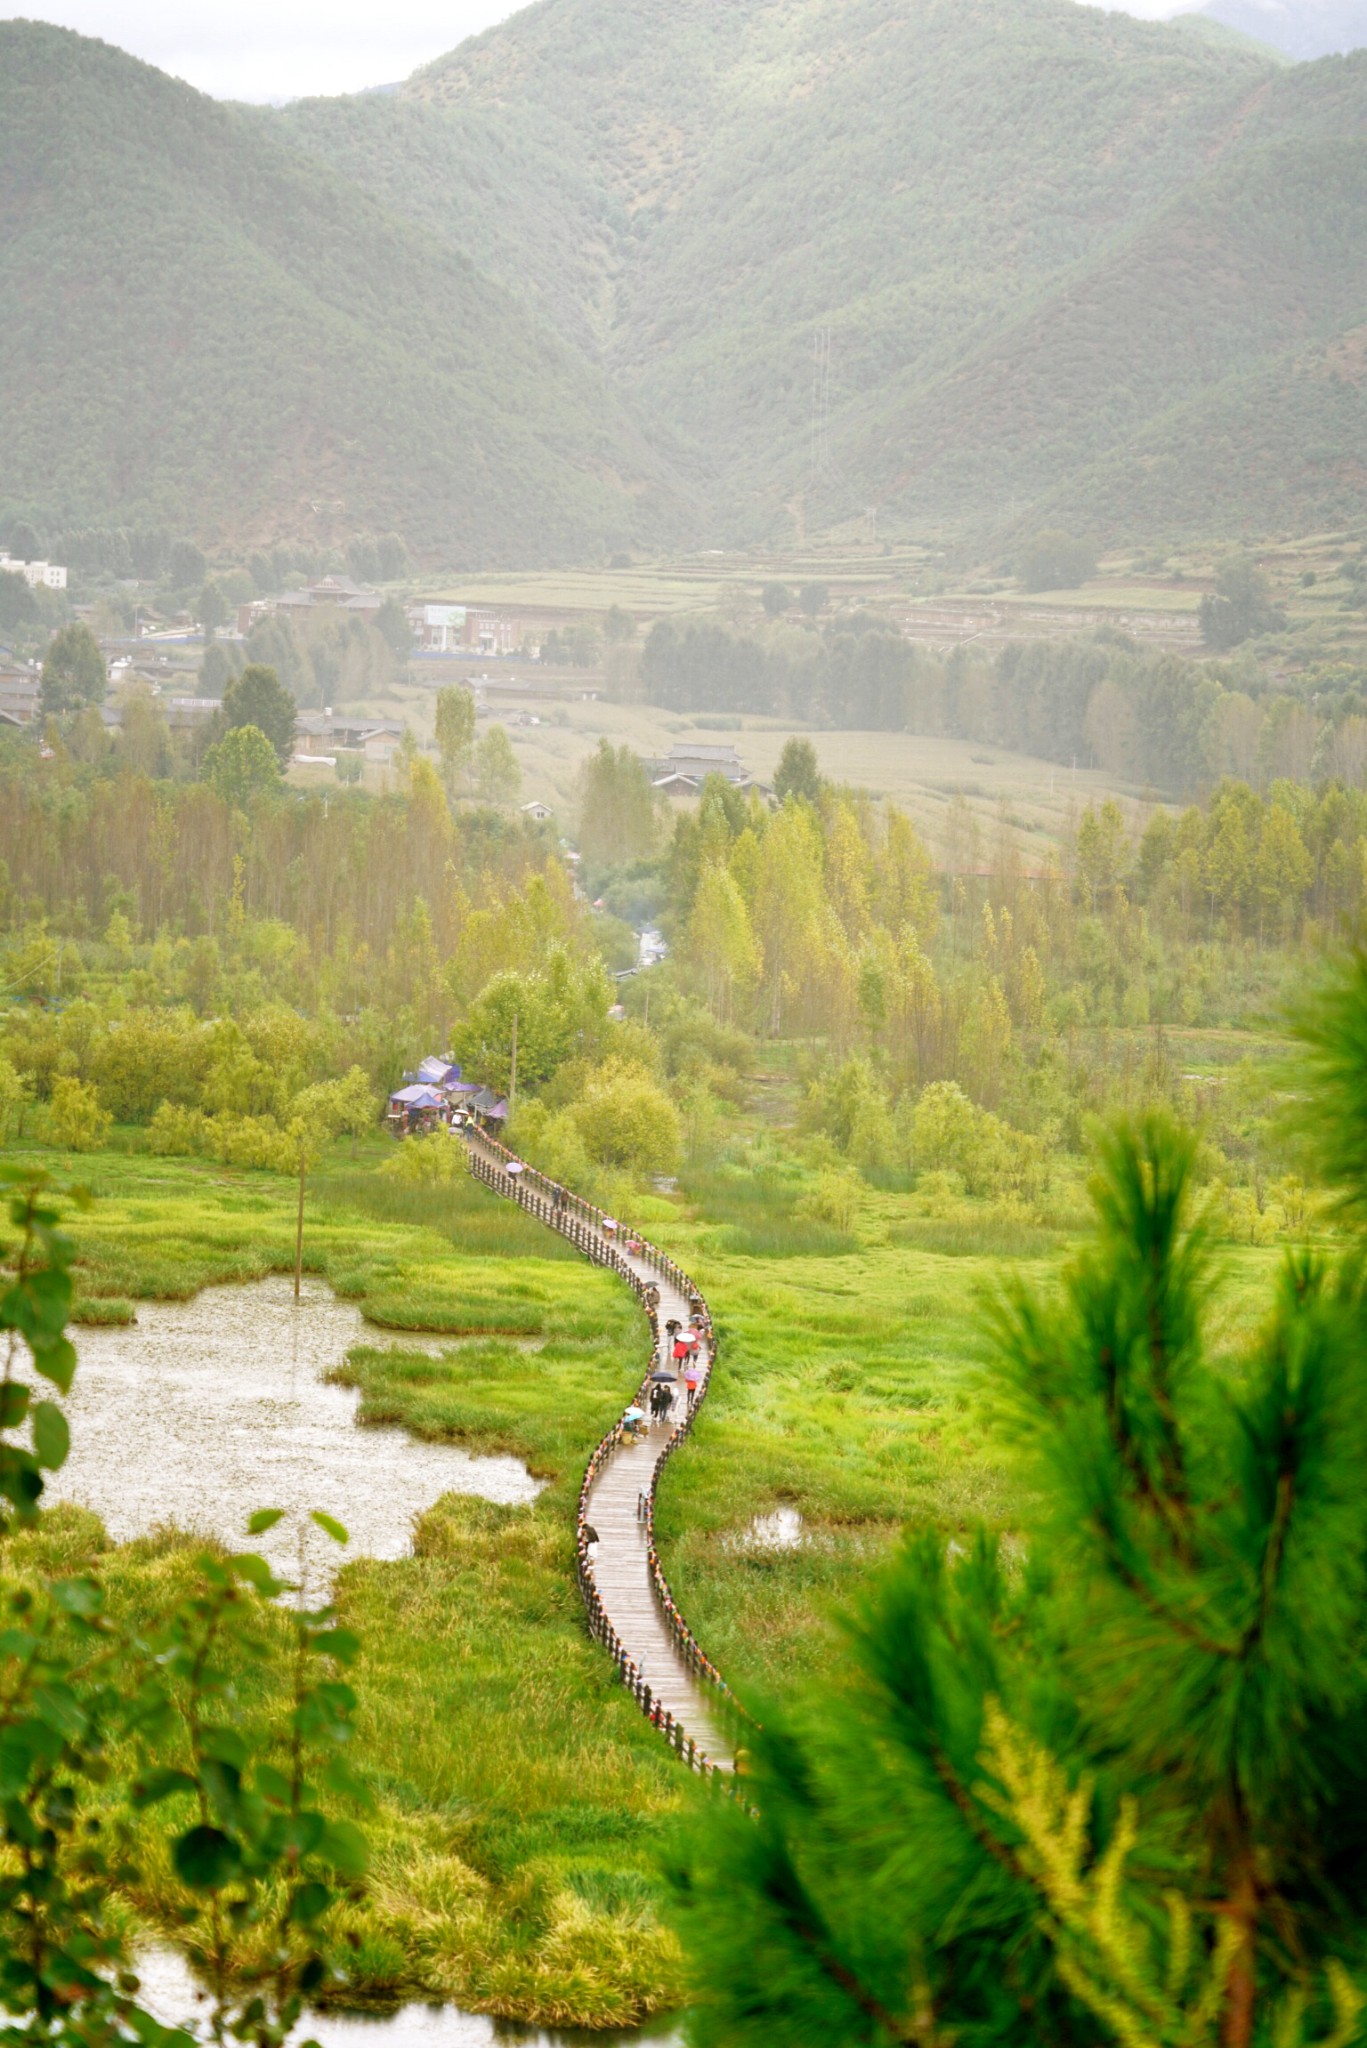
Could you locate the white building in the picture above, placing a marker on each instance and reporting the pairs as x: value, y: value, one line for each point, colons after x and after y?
x: 48, y: 574
x: 438, y: 628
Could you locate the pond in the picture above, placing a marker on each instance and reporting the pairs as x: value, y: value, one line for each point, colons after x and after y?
x: 170, y: 1993
x: 203, y: 1410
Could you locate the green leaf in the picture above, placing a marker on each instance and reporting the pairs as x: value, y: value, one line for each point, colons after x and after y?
x: 336, y: 1642
x: 206, y: 1859
x: 256, y: 1572
x: 161, y: 1785
x: 330, y: 1526
x: 58, y: 1706
x: 13, y: 1404
x: 309, y: 1903
x: 51, y: 1436
x: 263, y: 1519
x: 84, y: 1597
x: 56, y: 1361
x: 344, y: 1847
x: 225, y: 1746
x: 273, y: 1785
x: 339, y: 1777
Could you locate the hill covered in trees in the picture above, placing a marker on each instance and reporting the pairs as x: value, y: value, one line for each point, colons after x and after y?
x: 1068, y: 261
x: 627, y: 271
x: 206, y: 331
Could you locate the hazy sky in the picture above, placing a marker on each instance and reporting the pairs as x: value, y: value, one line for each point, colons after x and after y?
x: 280, y: 49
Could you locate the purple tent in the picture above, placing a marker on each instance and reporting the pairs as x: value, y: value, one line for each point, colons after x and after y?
x: 418, y: 1097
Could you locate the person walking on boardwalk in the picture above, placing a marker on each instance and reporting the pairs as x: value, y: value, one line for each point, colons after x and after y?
x: 692, y: 1373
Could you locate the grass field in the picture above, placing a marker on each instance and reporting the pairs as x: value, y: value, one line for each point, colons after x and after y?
x: 523, y: 1804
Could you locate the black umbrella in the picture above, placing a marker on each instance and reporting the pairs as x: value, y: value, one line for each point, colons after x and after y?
x: 662, y: 1372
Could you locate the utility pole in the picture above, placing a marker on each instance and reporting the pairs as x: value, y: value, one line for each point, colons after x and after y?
x: 512, y: 1078
x: 299, y: 1225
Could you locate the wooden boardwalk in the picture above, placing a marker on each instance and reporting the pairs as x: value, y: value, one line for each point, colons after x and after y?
x: 620, y: 1559
x: 618, y: 1562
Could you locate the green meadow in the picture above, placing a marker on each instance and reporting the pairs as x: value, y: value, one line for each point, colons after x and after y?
x: 522, y: 1806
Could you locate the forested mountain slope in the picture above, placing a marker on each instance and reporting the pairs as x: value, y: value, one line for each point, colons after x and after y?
x: 203, y: 328
x: 1304, y: 29
x: 562, y: 291
x: 1068, y: 260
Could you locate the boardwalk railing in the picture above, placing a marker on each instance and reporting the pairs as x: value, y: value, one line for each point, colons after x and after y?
x: 582, y: 1224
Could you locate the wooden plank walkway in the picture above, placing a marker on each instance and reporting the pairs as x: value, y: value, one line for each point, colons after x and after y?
x: 618, y: 1562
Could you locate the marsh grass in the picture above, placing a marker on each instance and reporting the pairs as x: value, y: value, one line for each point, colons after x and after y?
x: 522, y: 1803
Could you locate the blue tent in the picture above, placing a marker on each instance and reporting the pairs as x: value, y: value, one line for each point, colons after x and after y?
x: 436, y: 1073
x: 418, y: 1097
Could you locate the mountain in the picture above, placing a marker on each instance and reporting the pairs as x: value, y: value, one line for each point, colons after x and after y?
x: 649, y: 270
x: 206, y: 330
x: 1047, y: 255
x: 1304, y: 29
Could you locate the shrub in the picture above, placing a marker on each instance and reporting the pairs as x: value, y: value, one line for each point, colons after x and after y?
x: 77, y: 1119
x: 430, y: 1162
x: 176, y: 1132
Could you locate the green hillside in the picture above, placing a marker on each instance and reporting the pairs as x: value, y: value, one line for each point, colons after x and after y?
x: 206, y: 330
x: 1073, y: 265
x: 561, y: 292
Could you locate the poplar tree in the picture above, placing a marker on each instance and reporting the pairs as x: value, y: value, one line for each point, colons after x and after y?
x: 1108, y: 1782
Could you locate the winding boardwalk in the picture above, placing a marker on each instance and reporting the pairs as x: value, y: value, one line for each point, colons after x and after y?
x: 630, y: 1607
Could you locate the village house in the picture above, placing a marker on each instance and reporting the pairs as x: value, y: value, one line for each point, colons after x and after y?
x: 463, y: 629
x: 47, y: 575
x: 20, y: 692
x: 686, y: 767
x: 337, y: 593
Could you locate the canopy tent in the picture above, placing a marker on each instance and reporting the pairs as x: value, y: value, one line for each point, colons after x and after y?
x: 438, y: 1073
x: 461, y: 1088
x: 417, y: 1097
x: 486, y: 1103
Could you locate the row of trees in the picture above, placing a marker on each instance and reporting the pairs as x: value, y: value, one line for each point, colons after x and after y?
x: 1158, y: 721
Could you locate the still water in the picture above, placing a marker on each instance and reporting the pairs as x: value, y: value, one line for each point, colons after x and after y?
x: 203, y: 1410
x: 170, y: 1993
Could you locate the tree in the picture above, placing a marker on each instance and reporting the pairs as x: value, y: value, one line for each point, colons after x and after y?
x: 211, y: 609
x: 813, y: 598
x: 798, y: 773
x: 258, y: 697
x: 241, y: 767
x: 14, y: 1093
x: 391, y: 623
x: 455, y: 733
x: 625, y: 1119
x: 618, y: 626
x: 78, y: 1121
x: 618, y: 809
x: 18, y: 605
x: 73, y: 670
x: 1055, y: 560
x: 498, y: 778
x: 1109, y: 1791
x: 776, y: 599
x: 720, y: 942
x: 186, y: 565
x: 217, y: 669
x: 1240, y: 605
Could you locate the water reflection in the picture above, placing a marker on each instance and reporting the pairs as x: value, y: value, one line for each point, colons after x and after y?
x: 205, y: 1409
x: 170, y: 1993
